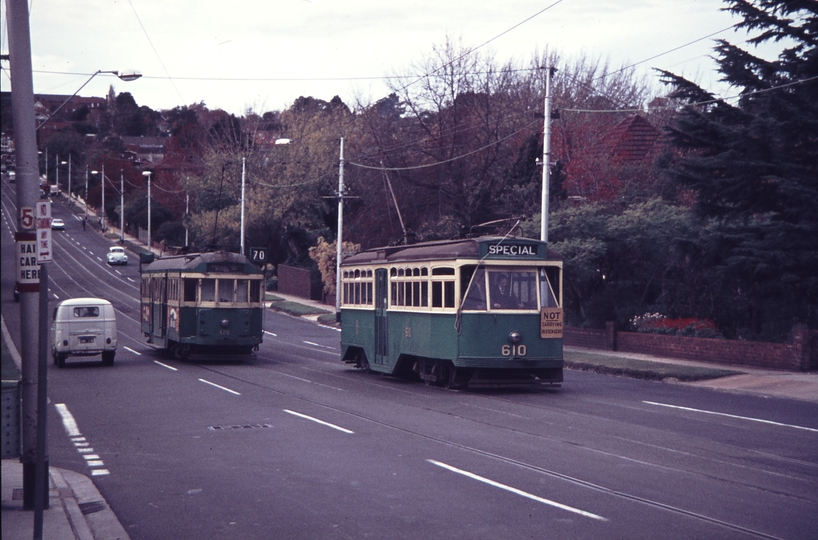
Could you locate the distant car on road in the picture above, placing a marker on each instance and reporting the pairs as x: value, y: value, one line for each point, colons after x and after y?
x: 57, y: 224
x: 116, y: 255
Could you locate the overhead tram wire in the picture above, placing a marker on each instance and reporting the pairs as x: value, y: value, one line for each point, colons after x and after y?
x: 155, y: 51
x: 473, y: 49
x: 697, y: 103
x: 456, y: 158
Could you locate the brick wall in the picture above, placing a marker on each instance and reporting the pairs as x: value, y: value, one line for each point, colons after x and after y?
x: 294, y: 281
x: 799, y: 355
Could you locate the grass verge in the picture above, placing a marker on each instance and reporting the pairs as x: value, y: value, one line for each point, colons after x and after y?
x: 642, y: 369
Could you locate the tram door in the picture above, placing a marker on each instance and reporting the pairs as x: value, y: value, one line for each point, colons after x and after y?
x: 381, y: 327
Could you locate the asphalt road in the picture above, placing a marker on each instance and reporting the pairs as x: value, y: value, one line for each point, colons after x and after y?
x: 295, y: 444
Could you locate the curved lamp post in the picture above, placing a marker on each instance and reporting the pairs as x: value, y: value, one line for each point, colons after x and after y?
x: 126, y: 76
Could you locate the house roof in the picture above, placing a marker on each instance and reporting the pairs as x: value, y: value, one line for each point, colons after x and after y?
x: 631, y: 140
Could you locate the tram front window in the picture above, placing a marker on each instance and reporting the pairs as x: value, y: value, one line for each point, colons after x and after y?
x: 208, y: 290
x: 513, y: 289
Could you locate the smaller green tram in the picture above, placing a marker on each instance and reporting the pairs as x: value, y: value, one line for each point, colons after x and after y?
x: 203, y: 305
x: 476, y: 312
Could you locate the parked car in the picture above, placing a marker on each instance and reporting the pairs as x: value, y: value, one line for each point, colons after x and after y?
x: 83, y: 327
x: 116, y: 255
x: 57, y: 224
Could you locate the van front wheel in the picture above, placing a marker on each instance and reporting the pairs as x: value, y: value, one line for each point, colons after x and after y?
x: 59, y: 359
x: 108, y: 358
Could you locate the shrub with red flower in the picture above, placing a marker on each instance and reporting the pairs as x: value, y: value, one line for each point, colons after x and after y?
x: 656, y: 323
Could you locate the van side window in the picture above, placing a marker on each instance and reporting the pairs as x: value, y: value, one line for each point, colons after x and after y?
x: 88, y: 311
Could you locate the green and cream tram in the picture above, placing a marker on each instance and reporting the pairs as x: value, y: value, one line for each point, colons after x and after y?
x: 203, y: 305
x: 472, y: 312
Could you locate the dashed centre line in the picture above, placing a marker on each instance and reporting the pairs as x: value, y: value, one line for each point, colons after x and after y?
x: 749, y: 418
x: 317, y: 421
x: 220, y: 387
x: 517, y: 491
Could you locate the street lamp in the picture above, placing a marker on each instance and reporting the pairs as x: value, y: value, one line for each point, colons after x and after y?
x: 278, y: 142
x: 69, y: 178
x: 121, y: 207
x: 126, y: 76
x: 102, y: 180
x: 85, y: 198
x: 148, y: 174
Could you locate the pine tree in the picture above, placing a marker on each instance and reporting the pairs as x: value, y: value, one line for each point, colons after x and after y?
x: 753, y: 166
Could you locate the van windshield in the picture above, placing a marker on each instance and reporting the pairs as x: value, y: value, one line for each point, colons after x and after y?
x: 86, y: 311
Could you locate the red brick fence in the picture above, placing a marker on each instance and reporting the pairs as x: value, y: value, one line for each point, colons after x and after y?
x: 801, y: 354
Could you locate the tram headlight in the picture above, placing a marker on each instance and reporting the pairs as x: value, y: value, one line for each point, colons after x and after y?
x: 515, y: 337
x: 225, y: 323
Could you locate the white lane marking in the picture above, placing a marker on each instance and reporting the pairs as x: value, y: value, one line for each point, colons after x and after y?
x: 89, y: 457
x: 100, y: 472
x: 131, y: 280
x: 316, y: 420
x: 220, y: 387
x: 131, y: 350
x: 318, y: 344
x: 517, y: 491
x: 165, y: 365
x: 68, y: 421
x: 272, y: 334
x: 730, y: 416
x: 296, y: 378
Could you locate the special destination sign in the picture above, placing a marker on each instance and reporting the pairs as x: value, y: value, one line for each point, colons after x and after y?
x: 511, y: 249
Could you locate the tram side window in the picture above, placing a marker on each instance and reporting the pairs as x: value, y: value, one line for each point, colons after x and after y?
x: 443, y: 291
x: 255, y: 290
x: 474, y: 284
x: 190, y: 289
x: 208, y: 290
x: 550, y: 287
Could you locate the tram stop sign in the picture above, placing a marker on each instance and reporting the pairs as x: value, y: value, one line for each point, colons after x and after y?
x: 257, y: 255
x: 43, y: 222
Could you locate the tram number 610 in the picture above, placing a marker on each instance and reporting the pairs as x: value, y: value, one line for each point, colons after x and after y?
x: 514, y: 350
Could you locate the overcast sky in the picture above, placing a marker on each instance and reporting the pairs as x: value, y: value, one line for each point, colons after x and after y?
x: 264, y: 54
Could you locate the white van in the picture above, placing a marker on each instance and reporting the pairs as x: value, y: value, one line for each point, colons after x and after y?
x: 83, y: 327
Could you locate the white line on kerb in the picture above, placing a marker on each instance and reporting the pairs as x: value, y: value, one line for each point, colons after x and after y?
x: 316, y: 420
x: 220, y: 387
x: 68, y: 420
x: 730, y: 416
x: 517, y: 491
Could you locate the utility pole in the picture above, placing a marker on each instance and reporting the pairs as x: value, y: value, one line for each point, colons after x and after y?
x: 546, y: 154
x: 339, y: 241
x: 35, y: 464
x: 243, y: 169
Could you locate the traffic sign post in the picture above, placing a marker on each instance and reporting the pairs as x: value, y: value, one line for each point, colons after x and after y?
x: 43, y: 219
x: 257, y: 255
